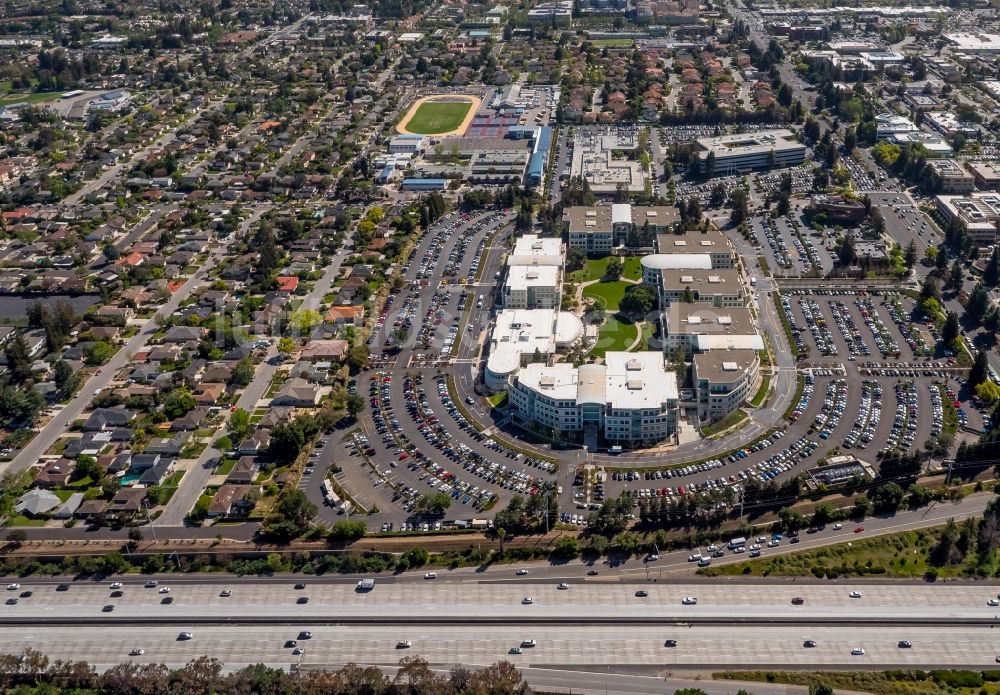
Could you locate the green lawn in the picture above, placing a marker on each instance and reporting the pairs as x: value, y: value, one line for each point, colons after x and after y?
x: 595, y: 268
x: 32, y: 98
x: 438, y: 117
x: 761, y: 394
x: 904, y: 555
x: 610, y: 292
x: 226, y: 467
x: 498, y: 400
x: 614, y: 336
x: 734, y: 418
x: 22, y: 520
x: 647, y: 333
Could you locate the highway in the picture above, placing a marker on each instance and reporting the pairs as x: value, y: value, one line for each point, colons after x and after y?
x: 623, y: 647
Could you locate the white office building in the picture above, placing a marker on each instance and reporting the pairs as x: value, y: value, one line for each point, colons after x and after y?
x: 738, y: 153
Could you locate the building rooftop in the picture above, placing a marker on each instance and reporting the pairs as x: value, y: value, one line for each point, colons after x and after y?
x: 560, y: 381
x: 723, y: 366
x: 634, y: 380
x: 748, y: 143
x: 520, y: 331
x: 521, y: 277
x: 714, y: 281
x: 711, y: 241
x: 687, y: 261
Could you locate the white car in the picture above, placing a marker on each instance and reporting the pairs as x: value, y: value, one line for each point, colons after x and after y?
x: 993, y: 602
x: 137, y: 652
x: 837, y: 527
x: 689, y: 601
x: 164, y: 589
x: 694, y: 558
x: 116, y: 585
x: 226, y: 593
x: 527, y: 600
x: 563, y: 585
x: 430, y: 575
x: 521, y: 573
x: 712, y: 548
x: 858, y: 651
x: 855, y: 594
x: 13, y: 587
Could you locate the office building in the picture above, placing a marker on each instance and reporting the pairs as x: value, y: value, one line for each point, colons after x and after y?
x: 744, y: 152
x: 699, y: 328
x: 630, y: 399
x: 724, y: 380
x: 952, y: 177
x: 978, y: 213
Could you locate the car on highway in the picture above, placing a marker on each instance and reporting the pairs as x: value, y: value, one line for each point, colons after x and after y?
x: 798, y: 601
x: 855, y: 594
x: 689, y: 601
x: 528, y: 643
x: 857, y: 651
x: 694, y: 557
x: 151, y: 584
x: 26, y: 594
x: 403, y: 644
x: 298, y: 651
x: 226, y: 593
x: 164, y: 589
x: 13, y: 587
x: 642, y: 594
x: 184, y: 636
x: 527, y: 600
x: 430, y: 575
x: 305, y: 634
x: 904, y: 644
x: 859, y: 529
x: 993, y: 602
x: 167, y: 600
x: 809, y: 644
x: 108, y: 607
x: 563, y: 585
x: 592, y: 573
x: 300, y: 585
x: 302, y: 599
x: 137, y: 652
x: 514, y: 650
x: 289, y: 643
x: 116, y: 585
x: 521, y: 573
x: 12, y: 601
x: 838, y: 526
x: 670, y: 643
x: 62, y: 587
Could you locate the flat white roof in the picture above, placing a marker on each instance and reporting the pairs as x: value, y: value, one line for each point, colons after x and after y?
x: 635, y: 380
x: 521, y: 277
x: 533, y: 245
x: 621, y: 213
x: 677, y: 261
x: 519, y: 331
x: 719, y: 341
x: 558, y: 381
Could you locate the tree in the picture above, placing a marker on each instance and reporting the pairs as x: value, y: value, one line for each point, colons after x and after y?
x: 239, y: 424
x: 18, y: 359
x: 709, y: 163
x: 988, y: 392
x: 820, y: 689
x: 243, y: 373
x: 910, y: 256
x: 357, y: 358
x: 286, y: 345
x: 637, y: 302
x: 16, y: 537
x: 991, y: 274
x: 179, y: 402
x: 950, y: 330
x: 355, y: 404
x: 303, y: 321
x: 434, y: 503
x: 957, y: 275
x: 293, y: 515
x: 739, y: 205
x: 980, y: 370
x: 614, y: 269
x: 887, y: 498
x: 502, y: 678
x: 846, y: 254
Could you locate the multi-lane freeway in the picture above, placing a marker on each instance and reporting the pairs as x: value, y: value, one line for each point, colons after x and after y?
x: 585, y: 623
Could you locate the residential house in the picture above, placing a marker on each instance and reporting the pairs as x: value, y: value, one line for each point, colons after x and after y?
x: 55, y: 474
x: 36, y: 502
x: 255, y: 443
x: 190, y: 421
x: 209, y: 394
x: 103, y: 419
x: 325, y: 350
x: 245, y: 470
x: 169, y: 446
x: 231, y: 500
x: 127, y: 501
x: 297, y: 392
x: 156, y: 474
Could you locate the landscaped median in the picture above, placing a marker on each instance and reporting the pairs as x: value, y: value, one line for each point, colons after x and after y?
x: 761, y: 395
x: 732, y: 421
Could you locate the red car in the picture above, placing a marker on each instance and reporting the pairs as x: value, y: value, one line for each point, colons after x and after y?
x: 859, y: 529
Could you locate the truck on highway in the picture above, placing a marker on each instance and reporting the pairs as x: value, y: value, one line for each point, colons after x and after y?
x: 366, y: 584
x: 737, y: 542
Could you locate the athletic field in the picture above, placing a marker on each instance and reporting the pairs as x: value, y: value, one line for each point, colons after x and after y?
x: 437, y: 117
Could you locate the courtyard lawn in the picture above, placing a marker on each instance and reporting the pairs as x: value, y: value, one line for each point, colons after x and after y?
x: 614, y: 336
x: 611, y: 293
x: 594, y: 269
x: 435, y: 117
x: 614, y: 43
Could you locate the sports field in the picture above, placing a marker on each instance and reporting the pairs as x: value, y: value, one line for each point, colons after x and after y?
x: 439, y: 116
